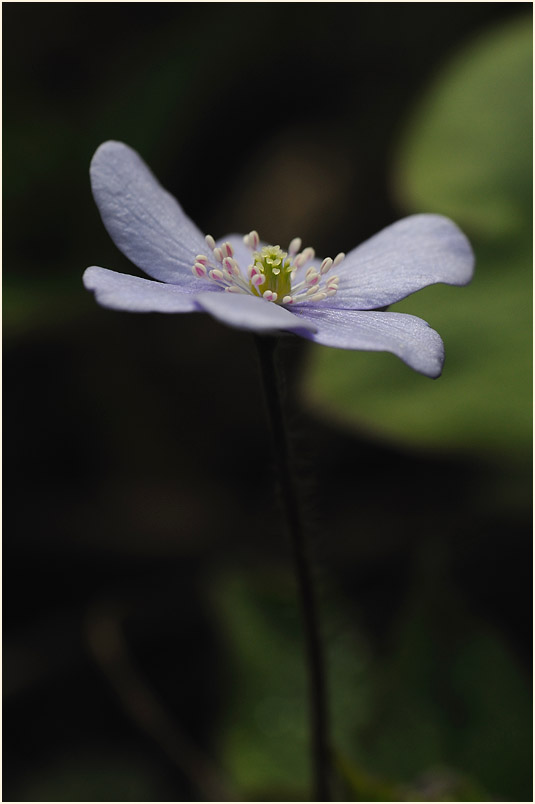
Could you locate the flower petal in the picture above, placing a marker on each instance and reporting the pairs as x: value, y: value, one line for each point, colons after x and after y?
x: 407, y: 256
x: 406, y: 336
x: 252, y: 313
x: 144, y: 221
x: 136, y: 295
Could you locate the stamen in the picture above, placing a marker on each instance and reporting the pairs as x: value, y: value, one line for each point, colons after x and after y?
x: 318, y: 297
x: 269, y: 295
x: 199, y: 270
x: 294, y: 246
x: 231, y: 265
x: 272, y: 268
x: 252, y: 240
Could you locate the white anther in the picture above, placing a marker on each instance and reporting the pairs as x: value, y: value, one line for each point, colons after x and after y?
x: 227, y: 249
x: 202, y: 259
x: 216, y: 274
x: 258, y: 279
x: 210, y: 241
x: 269, y: 295
x: 231, y: 266
x: 331, y: 291
x: 252, y: 240
x: 326, y: 265
x: 199, y: 270
x: 294, y: 246
x: 287, y: 299
x: 311, y: 290
x: 318, y: 297
x: 302, y: 258
x: 233, y: 289
x: 311, y: 273
x: 218, y: 254
x: 338, y: 259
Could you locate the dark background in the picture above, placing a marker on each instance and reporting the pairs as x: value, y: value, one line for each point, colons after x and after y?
x: 136, y: 452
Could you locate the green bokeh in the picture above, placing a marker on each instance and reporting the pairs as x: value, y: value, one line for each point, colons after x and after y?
x: 264, y: 733
x: 427, y: 721
x: 467, y: 154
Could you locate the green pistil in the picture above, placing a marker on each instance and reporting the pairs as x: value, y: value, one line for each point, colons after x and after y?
x: 272, y: 262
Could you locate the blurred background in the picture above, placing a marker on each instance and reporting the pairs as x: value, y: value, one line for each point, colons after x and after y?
x: 152, y: 645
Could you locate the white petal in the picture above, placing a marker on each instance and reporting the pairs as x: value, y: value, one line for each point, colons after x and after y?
x: 408, y: 255
x: 136, y: 295
x: 144, y: 221
x: 406, y: 336
x: 251, y: 313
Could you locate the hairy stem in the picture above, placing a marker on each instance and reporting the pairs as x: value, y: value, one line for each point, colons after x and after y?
x: 266, y: 348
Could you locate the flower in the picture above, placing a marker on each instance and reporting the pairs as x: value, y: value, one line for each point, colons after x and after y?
x: 245, y: 284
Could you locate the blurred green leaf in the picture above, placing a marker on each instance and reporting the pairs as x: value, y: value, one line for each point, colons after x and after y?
x: 468, y: 155
x: 443, y: 714
x: 264, y: 735
x: 453, y: 705
x: 468, y: 149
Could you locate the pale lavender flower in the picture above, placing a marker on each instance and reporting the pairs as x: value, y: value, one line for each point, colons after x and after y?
x: 249, y: 285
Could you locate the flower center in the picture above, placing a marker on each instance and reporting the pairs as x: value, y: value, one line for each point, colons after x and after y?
x: 273, y: 264
x: 273, y: 274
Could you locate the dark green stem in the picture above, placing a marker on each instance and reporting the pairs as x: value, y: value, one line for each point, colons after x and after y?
x: 266, y: 347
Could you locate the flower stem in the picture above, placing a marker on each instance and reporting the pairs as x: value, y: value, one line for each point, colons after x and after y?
x: 266, y: 348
